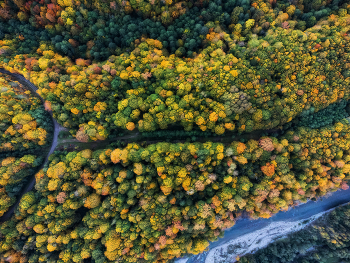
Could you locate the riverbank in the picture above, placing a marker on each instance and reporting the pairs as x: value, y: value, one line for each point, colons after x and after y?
x: 296, y: 214
x: 250, y: 243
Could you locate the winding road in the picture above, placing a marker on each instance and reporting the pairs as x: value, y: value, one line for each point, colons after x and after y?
x: 57, y: 128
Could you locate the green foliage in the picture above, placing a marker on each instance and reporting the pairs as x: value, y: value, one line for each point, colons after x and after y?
x: 327, y: 116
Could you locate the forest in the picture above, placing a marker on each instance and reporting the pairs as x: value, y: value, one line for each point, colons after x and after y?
x: 158, y: 202
x: 192, y: 114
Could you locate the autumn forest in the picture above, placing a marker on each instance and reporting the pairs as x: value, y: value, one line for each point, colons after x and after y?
x: 140, y: 130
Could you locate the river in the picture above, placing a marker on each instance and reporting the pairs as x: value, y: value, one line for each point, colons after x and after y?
x: 302, y: 211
